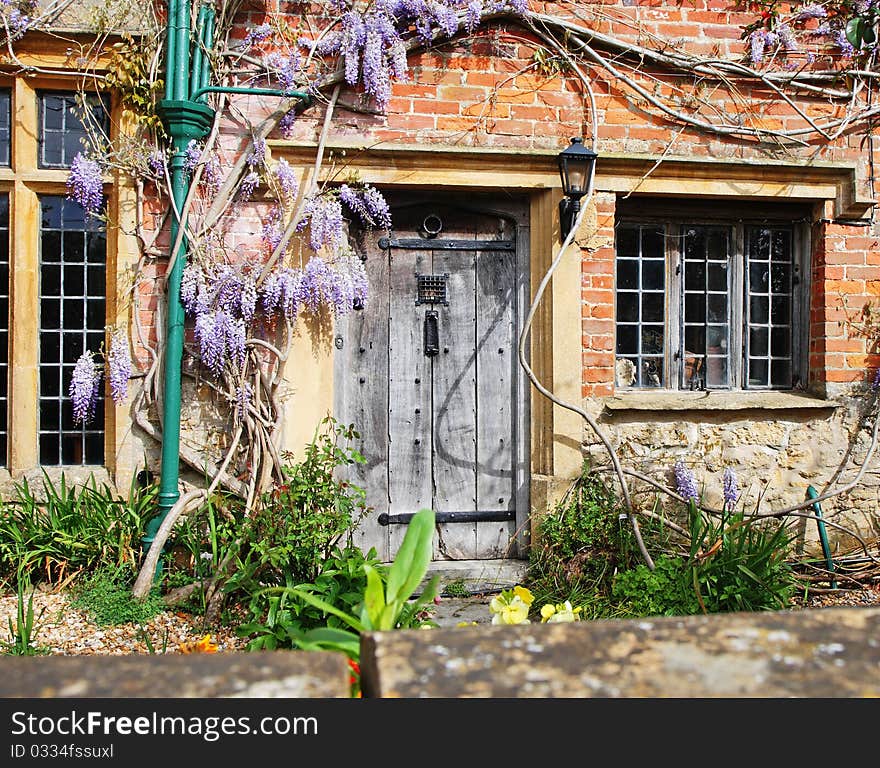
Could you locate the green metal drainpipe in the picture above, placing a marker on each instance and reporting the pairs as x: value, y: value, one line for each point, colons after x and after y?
x: 184, y: 120
x: 185, y: 117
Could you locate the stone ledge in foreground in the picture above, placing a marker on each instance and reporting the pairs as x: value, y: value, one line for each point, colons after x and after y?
x: 822, y: 653
x: 258, y: 674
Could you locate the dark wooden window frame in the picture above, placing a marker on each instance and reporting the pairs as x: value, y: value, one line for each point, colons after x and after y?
x: 738, y: 218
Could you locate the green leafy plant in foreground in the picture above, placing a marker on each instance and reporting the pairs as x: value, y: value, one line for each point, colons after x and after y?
x: 386, y: 603
x: 23, y: 633
x: 64, y: 529
x: 107, y: 597
x: 734, y: 564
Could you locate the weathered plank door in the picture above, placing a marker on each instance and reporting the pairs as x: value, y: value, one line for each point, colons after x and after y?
x: 428, y: 373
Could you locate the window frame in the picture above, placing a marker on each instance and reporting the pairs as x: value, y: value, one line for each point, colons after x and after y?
x: 26, y: 182
x: 739, y: 219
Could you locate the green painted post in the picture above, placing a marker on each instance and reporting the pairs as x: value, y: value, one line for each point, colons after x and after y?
x: 184, y: 121
x: 185, y: 118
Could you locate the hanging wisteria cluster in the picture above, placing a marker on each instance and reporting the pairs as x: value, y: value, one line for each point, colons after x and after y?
x: 370, y: 40
x: 225, y: 299
x: 85, y: 183
x: 17, y: 16
x: 786, y: 28
x: 85, y: 384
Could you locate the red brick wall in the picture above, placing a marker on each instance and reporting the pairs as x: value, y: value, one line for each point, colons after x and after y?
x: 488, y: 91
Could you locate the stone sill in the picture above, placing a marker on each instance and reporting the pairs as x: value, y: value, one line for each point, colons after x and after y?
x: 715, y: 401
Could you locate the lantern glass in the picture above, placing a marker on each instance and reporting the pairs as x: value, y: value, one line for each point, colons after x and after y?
x: 575, y: 167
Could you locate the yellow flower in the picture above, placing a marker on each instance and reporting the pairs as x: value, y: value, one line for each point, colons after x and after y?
x: 511, y: 606
x: 513, y: 612
x: 205, y: 645
x: 524, y: 594
x: 562, y: 612
x: 466, y: 624
x: 547, y: 611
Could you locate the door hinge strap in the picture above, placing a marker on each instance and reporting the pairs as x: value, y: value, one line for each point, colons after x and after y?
x: 479, y: 516
x: 420, y: 244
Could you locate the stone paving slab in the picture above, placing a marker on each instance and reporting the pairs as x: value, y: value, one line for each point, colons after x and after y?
x: 258, y: 674
x: 823, y: 653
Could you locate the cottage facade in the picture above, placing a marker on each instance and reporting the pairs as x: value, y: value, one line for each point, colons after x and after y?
x: 713, y: 307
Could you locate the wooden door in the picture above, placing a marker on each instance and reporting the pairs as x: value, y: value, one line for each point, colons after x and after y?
x: 428, y: 373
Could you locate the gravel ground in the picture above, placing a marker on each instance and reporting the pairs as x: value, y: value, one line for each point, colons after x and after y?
x: 69, y: 631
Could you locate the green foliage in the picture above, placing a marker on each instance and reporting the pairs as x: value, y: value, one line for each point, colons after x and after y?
x: 581, y: 543
x: 69, y: 529
x: 278, y: 618
x: 456, y: 588
x: 735, y: 564
x: 293, y: 540
x: 23, y: 632
x: 107, y: 597
x: 665, y: 591
x: 300, y: 521
x: 128, y: 73
x: 740, y: 564
x: 387, y: 601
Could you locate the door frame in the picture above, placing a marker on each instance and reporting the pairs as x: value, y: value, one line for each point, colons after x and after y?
x: 516, y: 209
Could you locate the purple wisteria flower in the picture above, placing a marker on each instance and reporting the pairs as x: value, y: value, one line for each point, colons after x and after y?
x: 286, y: 124
x: 248, y: 184
x: 156, y: 163
x: 18, y: 15
x: 85, y: 183
x: 473, y: 15
x: 257, y: 35
x: 85, y: 388
x: 876, y: 383
x: 731, y: 488
x: 119, y: 366
x: 221, y: 338
x: 258, y: 153
x: 284, y: 69
x: 272, y: 228
x: 243, y: 395
x: 759, y: 42
x: 811, y: 12
x: 212, y: 173
x: 838, y: 37
x: 367, y: 204
x: 685, y: 482
x: 323, y: 215
x: 287, y: 180
x: 192, y: 156
x: 786, y: 37
x: 282, y: 292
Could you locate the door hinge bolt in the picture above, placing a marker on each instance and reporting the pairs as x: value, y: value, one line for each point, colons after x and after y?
x: 418, y: 381
x: 361, y: 379
x: 417, y: 441
x: 418, y: 410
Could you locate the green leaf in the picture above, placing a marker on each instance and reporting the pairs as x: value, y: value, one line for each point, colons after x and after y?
x: 374, y: 595
x: 855, y: 31
x: 324, y: 606
x: 413, y: 557
x: 330, y: 639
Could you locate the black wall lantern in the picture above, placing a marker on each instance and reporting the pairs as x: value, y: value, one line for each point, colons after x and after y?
x: 576, y: 170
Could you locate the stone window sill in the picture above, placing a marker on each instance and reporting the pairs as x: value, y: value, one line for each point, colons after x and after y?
x: 715, y: 401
